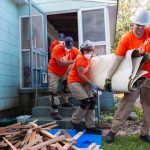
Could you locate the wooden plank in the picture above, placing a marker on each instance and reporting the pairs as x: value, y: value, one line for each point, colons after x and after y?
x: 98, y: 146
x: 42, y: 130
x: 57, y: 133
x: 46, y: 133
x: 9, y: 143
x: 59, y: 147
x: 47, y: 124
x: 10, y: 126
x: 18, y: 144
x: 3, y: 144
x: 20, y: 127
x: 69, y: 144
x: 11, y: 135
x: 17, y: 134
x: 53, y: 147
x: 44, y: 148
x: 31, y: 143
x: 75, y: 147
x: 91, y: 146
x: 51, y: 127
x: 26, y: 138
x: 32, y: 137
x: 77, y: 135
x: 34, y: 121
x: 51, y: 141
x: 8, y: 133
x: 65, y: 133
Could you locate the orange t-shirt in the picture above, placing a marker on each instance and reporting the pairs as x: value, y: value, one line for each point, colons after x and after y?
x: 53, y: 44
x: 60, y: 53
x: 73, y: 74
x: 129, y: 41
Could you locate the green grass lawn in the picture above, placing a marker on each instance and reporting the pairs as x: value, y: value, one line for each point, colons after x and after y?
x: 127, y: 143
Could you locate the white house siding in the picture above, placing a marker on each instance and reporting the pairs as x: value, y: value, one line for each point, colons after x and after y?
x: 9, y: 54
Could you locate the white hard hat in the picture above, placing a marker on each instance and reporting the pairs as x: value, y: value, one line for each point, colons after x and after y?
x: 141, y: 17
x: 88, y: 43
x: 87, y: 46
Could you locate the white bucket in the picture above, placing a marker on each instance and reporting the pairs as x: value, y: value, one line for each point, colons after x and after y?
x: 23, y: 118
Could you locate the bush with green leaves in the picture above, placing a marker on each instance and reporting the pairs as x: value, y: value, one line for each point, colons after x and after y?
x: 139, y: 112
x: 106, y: 117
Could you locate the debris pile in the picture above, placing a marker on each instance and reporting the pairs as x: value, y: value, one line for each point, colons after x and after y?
x: 37, y: 137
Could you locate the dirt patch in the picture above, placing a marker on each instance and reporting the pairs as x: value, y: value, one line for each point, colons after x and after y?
x: 130, y: 128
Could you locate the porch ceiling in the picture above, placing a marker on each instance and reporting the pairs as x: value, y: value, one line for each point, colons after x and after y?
x: 52, y: 6
x: 21, y: 2
x: 66, y: 23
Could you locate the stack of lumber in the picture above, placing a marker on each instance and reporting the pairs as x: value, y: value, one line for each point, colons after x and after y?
x: 37, y: 137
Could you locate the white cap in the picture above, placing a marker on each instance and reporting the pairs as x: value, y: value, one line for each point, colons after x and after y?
x: 141, y: 17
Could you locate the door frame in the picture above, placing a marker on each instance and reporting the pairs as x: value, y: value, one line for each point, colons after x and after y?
x: 31, y: 49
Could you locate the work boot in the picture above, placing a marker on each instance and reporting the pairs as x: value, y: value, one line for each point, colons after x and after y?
x: 77, y: 127
x: 110, y: 137
x: 145, y: 138
x: 67, y: 105
x: 56, y: 116
x: 94, y: 130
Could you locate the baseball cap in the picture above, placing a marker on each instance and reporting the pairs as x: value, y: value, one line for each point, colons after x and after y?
x: 69, y: 42
x: 61, y: 36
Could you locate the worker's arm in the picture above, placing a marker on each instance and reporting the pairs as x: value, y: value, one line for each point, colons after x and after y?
x: 113, y: 66
x: 118, y: 57
x: 82, y: 76
x: 61, y: 62
x: 111, y: 70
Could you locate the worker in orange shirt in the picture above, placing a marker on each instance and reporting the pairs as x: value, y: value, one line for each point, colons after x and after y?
x: 63, y: 55
x: 137, y: 38
x: 59, y: 40
x: 80, y: 86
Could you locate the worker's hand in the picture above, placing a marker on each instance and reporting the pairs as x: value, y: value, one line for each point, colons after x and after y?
x: 107, y: 85
x: 94, y: 89
x: 146, y: 57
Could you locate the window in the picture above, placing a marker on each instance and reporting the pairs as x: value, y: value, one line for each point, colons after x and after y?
x: 25, y: 34
x: 37, y: 27
x: 93, y: 25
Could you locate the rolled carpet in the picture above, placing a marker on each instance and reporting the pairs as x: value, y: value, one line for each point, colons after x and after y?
x: 128, y: 75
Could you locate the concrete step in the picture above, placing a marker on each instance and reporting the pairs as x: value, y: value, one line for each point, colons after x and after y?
x: 45, y: 111
x: 105, y: 100
x: 65, y: 123
x: 44, y: 101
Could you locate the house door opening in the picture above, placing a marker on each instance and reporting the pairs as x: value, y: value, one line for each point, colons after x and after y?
x: 62, y: 23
